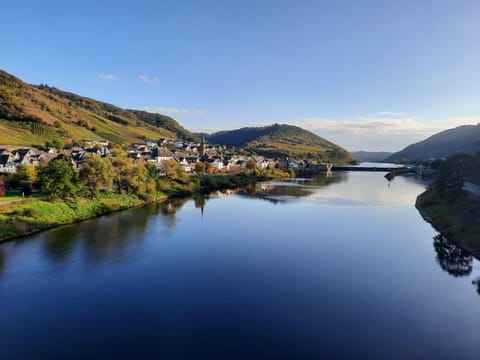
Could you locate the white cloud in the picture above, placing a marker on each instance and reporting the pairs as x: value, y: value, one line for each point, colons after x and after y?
x: 391, y: 113
x: 208, y: 130
x: 108, y: 77
x: 168, y: 110
x: 380, y: 133
x: 148, y: 80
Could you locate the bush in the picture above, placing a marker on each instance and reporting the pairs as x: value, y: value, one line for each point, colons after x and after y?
x: 111, y: 204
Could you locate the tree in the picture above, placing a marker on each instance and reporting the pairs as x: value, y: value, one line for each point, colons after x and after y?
x: 128, y: 177
x: 174, y: 171
x: 121, y: 165
x: 96, y: 173
x: 58, y: 178
x: 24, y: 175
x: 3, y: 190
x: 135, y: 179
x: 252, y: 166
x: 451, y: 175
x: 208, y: 168
x: 171, y: 168
x: 152, y: 172
x: 200, y: 167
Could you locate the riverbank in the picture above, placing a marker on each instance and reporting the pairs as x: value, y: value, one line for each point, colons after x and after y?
x: 30, y: 216
x: 458, y: 219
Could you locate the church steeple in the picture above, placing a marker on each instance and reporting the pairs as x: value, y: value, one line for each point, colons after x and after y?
x: 203, y: 146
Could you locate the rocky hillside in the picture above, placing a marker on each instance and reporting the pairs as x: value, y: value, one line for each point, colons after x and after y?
x: 33, y: 115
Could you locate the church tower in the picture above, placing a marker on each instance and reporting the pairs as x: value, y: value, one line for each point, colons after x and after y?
x: 204, y: 146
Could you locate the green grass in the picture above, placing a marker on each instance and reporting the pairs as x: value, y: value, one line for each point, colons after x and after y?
x: 22, y: 218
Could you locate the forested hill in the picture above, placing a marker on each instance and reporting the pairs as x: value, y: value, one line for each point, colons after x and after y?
x: 32, y: 115
x: 463, y: 139
x: 282, y: 140
x: 371, y: 156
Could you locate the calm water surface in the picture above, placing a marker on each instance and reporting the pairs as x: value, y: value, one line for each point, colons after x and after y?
x: 332, y: 268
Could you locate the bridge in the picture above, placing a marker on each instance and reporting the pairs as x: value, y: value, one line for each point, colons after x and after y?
x: 383, y: 168
x: 391, y: 171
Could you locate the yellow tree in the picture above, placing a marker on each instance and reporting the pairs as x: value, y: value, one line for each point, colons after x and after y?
x: 96, y: 174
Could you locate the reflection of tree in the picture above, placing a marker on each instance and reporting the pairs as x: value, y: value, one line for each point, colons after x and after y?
x: 103, y: 238
x: 60, y: 242
x: 452, y: 258
x: 3, y: 261
x: 169, y: 210
x: 112, y: 235
x: 200, y: 200
x: 251, y: 189
x: 476, y: 282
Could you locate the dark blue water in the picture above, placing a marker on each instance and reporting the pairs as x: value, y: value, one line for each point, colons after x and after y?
x: 335, y: 269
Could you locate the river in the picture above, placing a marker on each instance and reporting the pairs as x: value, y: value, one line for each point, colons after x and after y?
x: 334, y: 268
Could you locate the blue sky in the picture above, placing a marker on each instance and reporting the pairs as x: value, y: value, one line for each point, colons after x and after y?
x: 371, y: 74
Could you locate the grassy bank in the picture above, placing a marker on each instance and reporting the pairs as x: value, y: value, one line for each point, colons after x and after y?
x: 458, y: 218
x: 34, y: 215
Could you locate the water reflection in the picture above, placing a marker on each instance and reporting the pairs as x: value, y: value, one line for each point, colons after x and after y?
x: 60, y: 242
x: 285, y: 192
x: 476, y: 283
x: 452, y: 258
x: 169, y: 210
x: 100, y: 239
x: 3, y: 261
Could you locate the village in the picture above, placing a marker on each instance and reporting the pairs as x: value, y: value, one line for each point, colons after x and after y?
x: 218, y: 159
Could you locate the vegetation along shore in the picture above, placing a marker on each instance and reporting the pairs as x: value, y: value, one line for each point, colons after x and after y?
x: 452, y: 203
x: 46, y: 197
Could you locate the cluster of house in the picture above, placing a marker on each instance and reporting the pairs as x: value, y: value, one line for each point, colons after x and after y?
x: 186, y: 153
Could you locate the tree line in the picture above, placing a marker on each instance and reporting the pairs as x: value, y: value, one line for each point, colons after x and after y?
x: 119, y: 174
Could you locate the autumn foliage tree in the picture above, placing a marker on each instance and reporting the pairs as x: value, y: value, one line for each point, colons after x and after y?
x: 252, y: 166
x: 200, y: 167
x: 129, y: 177
x: 96, y: 174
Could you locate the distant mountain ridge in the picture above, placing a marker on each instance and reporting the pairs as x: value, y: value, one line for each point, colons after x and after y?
x: 464, y: 139
x: 32, y: 115
x: 282, y: 140
x: 372, y: 156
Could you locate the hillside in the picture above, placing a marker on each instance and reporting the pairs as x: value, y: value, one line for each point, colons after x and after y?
x: 461, y: 139
x: 32, y: 115
x: 282, y: 140
x: 372, y: 156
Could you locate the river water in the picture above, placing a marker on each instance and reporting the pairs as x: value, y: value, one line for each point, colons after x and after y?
x: 334, y: 268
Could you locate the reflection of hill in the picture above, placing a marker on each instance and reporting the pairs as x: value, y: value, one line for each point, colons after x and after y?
x: 289, y: 191
x: 452, y: 258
